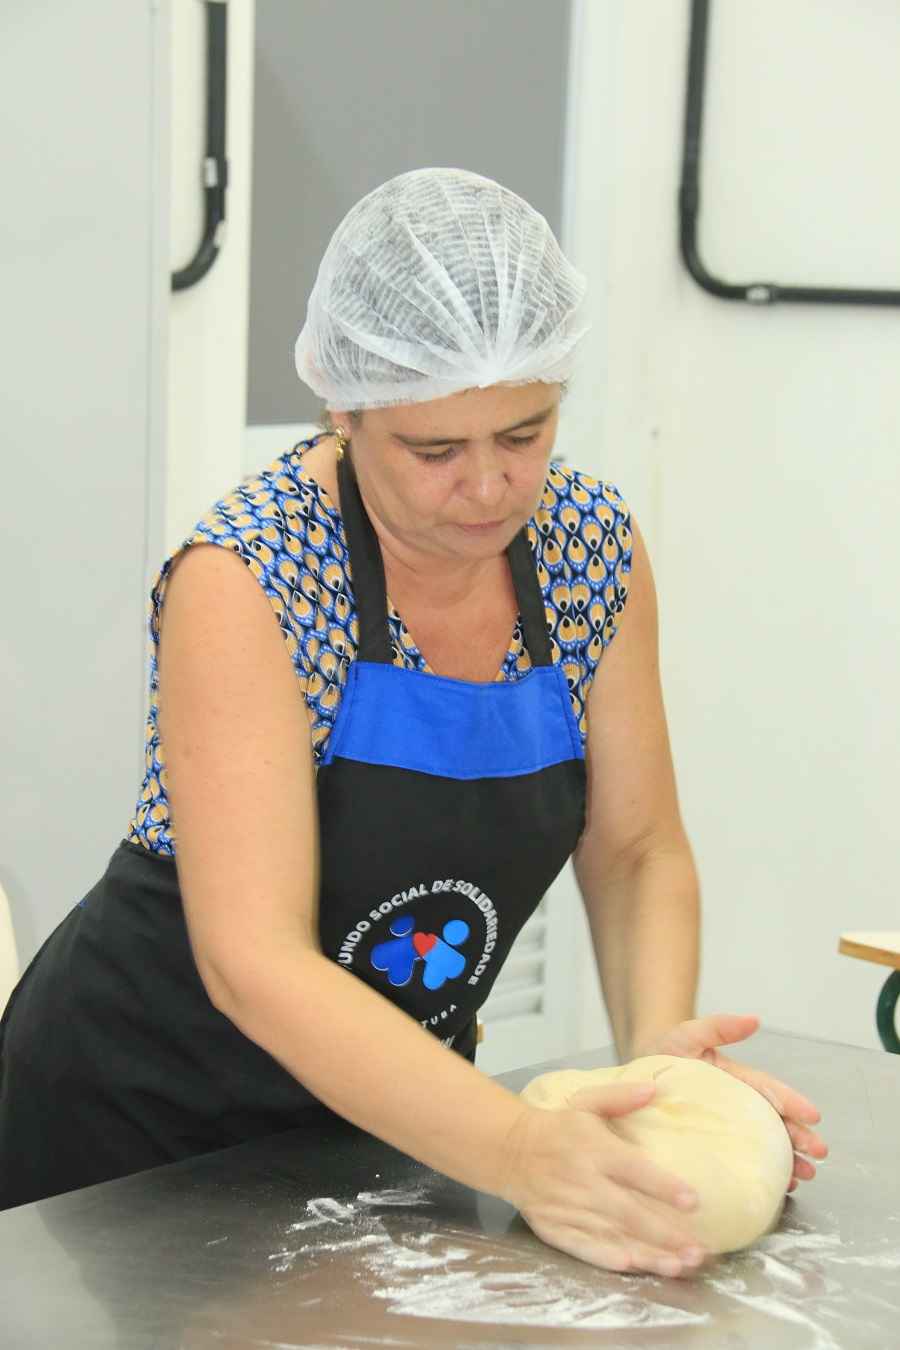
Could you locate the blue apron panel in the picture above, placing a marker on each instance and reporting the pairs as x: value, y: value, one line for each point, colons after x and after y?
x: 455, y: 729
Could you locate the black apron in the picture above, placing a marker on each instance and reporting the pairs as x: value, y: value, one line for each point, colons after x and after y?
x: 446, y: 809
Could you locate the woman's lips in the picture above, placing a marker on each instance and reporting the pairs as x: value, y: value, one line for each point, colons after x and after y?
x: 483, y: 528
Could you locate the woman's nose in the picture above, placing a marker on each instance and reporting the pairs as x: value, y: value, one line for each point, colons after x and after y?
x: 485, y: 477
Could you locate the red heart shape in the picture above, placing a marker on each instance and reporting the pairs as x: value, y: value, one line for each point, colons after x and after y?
x: 423, y: 942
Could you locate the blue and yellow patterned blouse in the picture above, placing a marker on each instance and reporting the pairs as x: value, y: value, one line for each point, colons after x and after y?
x: 291, y: 536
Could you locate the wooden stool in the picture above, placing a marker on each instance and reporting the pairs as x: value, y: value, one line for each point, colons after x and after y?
x: 884, y: 950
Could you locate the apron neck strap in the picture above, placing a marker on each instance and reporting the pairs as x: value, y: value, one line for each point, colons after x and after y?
x: 367, y: 567
x: 530, y: 600
x: 371, y: 593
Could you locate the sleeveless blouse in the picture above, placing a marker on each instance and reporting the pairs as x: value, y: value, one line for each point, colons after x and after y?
x: 288, y: 531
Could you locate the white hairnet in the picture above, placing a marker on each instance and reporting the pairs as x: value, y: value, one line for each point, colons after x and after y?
x: 439, y: 280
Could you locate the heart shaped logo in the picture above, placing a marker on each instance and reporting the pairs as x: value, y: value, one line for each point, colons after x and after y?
x: 423, y: 942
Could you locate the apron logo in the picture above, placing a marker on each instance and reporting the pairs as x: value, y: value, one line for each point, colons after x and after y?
x: 397, y: 956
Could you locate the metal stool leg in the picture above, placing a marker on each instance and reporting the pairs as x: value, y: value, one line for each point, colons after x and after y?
x: 884, y: 1013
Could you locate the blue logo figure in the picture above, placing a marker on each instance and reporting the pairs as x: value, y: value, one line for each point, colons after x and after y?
x: 397, y: 957
x: 442, y: 963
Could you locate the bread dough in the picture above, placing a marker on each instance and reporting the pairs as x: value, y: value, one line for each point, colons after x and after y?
x: 704, y: 1126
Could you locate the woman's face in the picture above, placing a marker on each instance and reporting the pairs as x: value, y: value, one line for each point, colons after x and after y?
x: 456, y: 476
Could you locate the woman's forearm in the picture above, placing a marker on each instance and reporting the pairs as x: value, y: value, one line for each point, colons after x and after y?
x: 376, y: 1066
x: 645, y: 926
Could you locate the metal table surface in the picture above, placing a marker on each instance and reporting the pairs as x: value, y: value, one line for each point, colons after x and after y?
x: 327, y: 1237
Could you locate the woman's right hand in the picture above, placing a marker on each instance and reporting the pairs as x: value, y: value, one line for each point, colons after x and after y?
x: 582, y: 1189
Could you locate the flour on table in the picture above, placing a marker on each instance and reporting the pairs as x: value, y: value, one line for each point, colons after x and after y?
x: 323, y: 1210
x: 524, y: 1296
x: 394, y: 1197
x: 416, y: 1266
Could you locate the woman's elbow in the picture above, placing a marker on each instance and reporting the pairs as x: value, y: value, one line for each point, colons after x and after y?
x: 237, y: 980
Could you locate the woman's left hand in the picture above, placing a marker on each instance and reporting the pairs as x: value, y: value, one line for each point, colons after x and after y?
x: 700, y: 1039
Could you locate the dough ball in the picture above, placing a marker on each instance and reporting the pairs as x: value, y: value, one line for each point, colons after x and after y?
x: 716, y: 1133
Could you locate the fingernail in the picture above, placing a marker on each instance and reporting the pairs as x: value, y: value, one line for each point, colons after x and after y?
x: 686, y: 1199
x: 692, y: 1255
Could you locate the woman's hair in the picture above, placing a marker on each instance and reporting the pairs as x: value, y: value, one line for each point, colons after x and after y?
x: 326, y: 423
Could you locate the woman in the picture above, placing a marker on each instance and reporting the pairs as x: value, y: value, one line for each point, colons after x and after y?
x: 395, y: 797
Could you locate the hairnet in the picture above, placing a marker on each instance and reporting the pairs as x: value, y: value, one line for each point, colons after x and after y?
x: 439, y: 280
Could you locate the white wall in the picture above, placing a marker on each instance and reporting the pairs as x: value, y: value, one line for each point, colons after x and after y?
x: 208, y: 322
x: 83, y: 251
x: 760, y: 452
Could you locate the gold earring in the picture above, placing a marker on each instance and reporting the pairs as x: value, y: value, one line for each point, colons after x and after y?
x: 342, y: 441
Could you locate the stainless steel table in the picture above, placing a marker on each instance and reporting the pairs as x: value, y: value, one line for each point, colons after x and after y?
x: 326, y: 1237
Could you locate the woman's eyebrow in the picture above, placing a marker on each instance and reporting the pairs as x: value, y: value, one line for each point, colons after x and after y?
x: 462, y: 440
